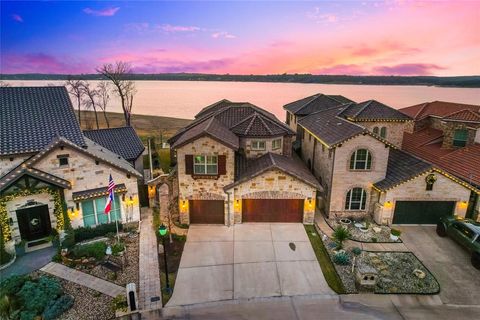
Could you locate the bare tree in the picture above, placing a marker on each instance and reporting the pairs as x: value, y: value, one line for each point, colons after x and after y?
x: 125, y: 88
x: 103, y: 89
x: 90, y: 101
x: 74, y: 87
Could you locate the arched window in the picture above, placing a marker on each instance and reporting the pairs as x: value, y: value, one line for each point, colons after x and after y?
x: 356, y: 199
x: 383, y: 132
x: 361, y: 160
x: 375, y: 130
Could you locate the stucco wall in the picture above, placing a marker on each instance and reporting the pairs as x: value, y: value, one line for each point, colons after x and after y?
x: 394, y: 130
x: 345, y: 179
x: 444, y: 189
x: 245, y: 144
x: 206, y: 189
x: 273, y: 184
x: 85, y: 174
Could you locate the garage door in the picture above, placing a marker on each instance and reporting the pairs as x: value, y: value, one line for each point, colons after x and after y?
x: 207, y: 211
x: 272, y: 210
x: 421, y: 212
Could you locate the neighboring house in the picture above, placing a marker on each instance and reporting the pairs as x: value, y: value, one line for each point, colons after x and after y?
x: 363, y: 172
x: 234, y: 164
x: 124, y: 141
x: 49, y: 170
x: 448, y: 135
x: 303, y: 107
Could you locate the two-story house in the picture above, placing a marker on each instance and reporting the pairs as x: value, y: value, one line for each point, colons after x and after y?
x: 448, y: 135
x: 50, y: 172
x: 235, y: 164
x: 353, y: 150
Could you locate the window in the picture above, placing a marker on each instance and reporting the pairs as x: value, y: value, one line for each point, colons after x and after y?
x: 460, y: 138
x: 258, y: 145
x: 276, y: 144
x: 356, y: 199
x: 207, y: 165
x: 375, y: 130
x: 361, y: 160
x: 383, y: 132
x: 93, y: 211
x: 63, y: 161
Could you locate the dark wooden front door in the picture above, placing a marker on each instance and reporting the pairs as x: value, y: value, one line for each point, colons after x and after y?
x: 421, y: 212
x: 34, y: 223
x: 272, y: 210
x: 207, y: 211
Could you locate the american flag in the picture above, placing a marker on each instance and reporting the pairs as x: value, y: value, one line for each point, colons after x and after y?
x: 111, y: 188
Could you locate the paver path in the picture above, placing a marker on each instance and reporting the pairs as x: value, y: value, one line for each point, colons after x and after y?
x: 149, y: 291
x: 84, y: 279
x: 367, y: 246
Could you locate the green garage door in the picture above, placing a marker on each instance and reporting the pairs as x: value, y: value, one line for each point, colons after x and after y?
x: 421, y: 212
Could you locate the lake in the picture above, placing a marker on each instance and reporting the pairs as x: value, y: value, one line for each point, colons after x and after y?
x: 183, y: 99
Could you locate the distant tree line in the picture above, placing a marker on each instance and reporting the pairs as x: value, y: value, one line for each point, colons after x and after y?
x: 460, y: 81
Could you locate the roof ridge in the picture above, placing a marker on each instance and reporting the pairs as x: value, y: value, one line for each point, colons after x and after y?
x: 368, y: 102
x: 250, y: 124
x: 242, y: 121
x: 272, y: 159
x: 422, y: 108
x: 265, y: 125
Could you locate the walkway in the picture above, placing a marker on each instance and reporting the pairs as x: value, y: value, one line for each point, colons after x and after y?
x: 83, y: 279
x: 149, y: 291
x: 29, y: 262
x: 367, y: 246
x: 164, y: 213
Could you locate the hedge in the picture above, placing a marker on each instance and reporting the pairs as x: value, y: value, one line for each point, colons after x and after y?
x: 86, y: 233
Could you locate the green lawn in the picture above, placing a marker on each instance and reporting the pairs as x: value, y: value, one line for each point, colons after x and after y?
x: 328, y: 269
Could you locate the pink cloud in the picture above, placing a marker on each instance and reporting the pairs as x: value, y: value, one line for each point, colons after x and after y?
x: 107, y: 12
x: 223, y: 34
x: 408, y: 69
x: 39, y: 63
x: 17, y: 17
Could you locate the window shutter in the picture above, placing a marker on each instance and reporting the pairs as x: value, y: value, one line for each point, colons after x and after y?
x: 188, y: 164
x: 222, y: 165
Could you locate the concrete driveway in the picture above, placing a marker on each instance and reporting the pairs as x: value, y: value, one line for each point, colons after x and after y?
x: 247, y: 261
x: 449, y: 262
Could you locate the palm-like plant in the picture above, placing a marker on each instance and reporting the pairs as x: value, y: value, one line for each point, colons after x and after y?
x: 340, y: 234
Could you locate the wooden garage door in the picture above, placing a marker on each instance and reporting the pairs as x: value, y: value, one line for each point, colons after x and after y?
x: 207, y: 211
x: 421, y: 212
x: 272, y: 210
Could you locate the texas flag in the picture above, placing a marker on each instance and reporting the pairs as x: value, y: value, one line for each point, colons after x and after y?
x: 111, y: 187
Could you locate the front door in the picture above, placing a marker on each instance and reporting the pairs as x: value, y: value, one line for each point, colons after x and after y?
x: 34, y: 222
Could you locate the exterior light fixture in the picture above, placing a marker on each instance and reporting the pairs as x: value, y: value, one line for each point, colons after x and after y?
x: 162, y: 230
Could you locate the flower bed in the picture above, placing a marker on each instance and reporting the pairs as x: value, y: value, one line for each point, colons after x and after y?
x: 374, y: 232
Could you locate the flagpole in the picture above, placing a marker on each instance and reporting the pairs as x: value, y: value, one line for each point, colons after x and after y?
x: 116, y: 215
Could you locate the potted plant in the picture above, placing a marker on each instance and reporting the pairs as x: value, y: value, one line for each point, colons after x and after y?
x: 345, y: 221
x: 395, y: 234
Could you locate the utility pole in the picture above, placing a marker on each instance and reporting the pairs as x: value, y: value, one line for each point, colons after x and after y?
x: 150, y: 157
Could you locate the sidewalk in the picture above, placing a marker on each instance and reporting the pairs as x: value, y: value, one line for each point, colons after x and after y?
x: 83, y: 279
x: 366, y: 246
x: 149, y: 291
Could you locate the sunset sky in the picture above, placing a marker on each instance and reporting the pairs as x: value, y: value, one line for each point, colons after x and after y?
x: 347, y: 37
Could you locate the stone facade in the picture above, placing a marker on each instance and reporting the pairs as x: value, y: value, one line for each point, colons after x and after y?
x: 8, y: 163
x: 273, y: 184
x: 246, y: 145
x: 444, y: 189
x: 84, y: 174
x: 394, y: 130
x: 190, y: 188
x: 449, y: 131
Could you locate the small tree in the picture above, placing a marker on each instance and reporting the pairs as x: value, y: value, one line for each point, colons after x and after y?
x: 103, y: 89
x: 90, y: 101
x: 340, y: 234
x: 74, y: 87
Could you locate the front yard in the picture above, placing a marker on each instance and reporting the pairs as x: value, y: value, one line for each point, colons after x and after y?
x: 364, y: 230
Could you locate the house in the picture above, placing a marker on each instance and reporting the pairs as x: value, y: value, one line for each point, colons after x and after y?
x: 123, y: 141
x: 448, y: 135
x: 50, y: 172
x: 235, y: 164
x: 353, y: 149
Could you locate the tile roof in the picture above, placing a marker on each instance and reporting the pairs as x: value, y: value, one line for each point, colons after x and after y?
x: 438, y: 108
x: 30, y: 117
x: 315, y: 103
x: 331, y: 129
x: 462, y: 162
x: 230, y: 121
x: 401, y: 167
x: 372, y: 110
x: 246, y: 169
x: 464, y: 115
x: 97, y: 192
x: 123, y: 141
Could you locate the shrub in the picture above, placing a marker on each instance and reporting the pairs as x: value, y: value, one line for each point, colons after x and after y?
x: 10, y: 286
x: 35, y: 295
x: 356, y: 251
x: 340, y: 234
x: 4, y: 255
x: 374, y: 239
x: 7, y: 307
x: 69, y: 240
x: 117, y: 248
x: 341, y: 258
x: 27, y: 315
x: 396, y: 232
x: 86, y: 233
x: 120, y: 303
x: 56, y: 307
x: 95, y: 250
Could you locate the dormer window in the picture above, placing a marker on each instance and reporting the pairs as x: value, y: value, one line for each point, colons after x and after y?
x: 258, y: 145
x: 62, y: 160
x: 460, y: 138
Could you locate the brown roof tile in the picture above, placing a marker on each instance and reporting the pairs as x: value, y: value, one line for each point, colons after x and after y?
x: 315, y: 103
x: 437, y: 108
